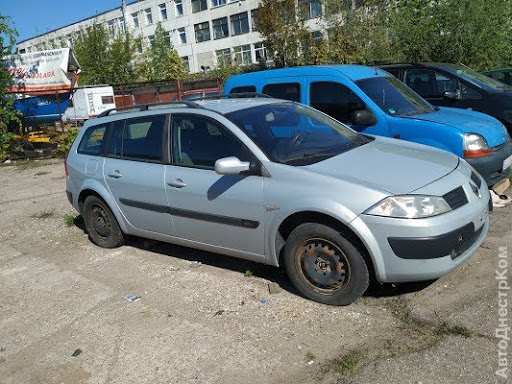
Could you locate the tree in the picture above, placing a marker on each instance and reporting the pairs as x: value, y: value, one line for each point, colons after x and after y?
x: 358, y: 31
x: 91, y: 51
x: 474, y: 32
x: 284, y: 31
x: 121, y: 64
x: 162, y: 60
x: 7, y: 113
x: 105, y: 62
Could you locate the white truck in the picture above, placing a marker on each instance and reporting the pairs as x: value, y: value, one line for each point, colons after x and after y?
x: 89, y: 102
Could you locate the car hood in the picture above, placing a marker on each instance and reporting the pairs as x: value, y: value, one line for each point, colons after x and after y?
x: 468, y: 122
x: 389, y: 165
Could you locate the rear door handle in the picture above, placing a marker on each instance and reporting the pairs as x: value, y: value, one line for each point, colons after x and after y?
x: 178, y: 183
x: 115, y: 175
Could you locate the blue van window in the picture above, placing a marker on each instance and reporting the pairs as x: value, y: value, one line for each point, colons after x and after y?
x: 285, y: 91
x: 248, y: 88
x: 335, y: 100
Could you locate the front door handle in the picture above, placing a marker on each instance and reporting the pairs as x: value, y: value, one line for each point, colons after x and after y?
x: 178, y: 183
x: 115, y: 175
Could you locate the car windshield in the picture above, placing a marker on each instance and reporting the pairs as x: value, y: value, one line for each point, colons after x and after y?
x: 394, y: 97
x: 478, y: 79
x: 293, y: 134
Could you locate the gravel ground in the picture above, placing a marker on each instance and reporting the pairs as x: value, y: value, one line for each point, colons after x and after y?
x: 213, y: 324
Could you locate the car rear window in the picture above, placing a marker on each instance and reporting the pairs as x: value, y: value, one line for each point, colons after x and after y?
x: 92, y: 142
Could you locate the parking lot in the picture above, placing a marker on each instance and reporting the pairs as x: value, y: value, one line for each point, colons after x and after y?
x: 220, y: 320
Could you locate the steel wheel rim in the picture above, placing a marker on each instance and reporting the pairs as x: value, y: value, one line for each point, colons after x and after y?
x: 101, y: 221
x: 323, y: 265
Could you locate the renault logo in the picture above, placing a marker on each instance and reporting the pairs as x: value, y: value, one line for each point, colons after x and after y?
x: 475, y: 189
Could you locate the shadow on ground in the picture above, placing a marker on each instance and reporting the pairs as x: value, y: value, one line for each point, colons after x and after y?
x: 267, y: 272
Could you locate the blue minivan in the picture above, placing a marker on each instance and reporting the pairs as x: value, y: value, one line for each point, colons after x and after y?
x: 372, y: 101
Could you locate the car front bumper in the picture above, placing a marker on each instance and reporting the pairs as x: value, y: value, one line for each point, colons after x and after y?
x: 405, y: 250
x: 491, y: 166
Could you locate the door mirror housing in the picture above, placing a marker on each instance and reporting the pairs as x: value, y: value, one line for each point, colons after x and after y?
x: 452, y: 95
x: 231, y: 166
x: 363, y: 118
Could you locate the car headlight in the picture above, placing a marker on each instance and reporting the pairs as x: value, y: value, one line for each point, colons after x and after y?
x: 475, y: 145
x: 410, y: 207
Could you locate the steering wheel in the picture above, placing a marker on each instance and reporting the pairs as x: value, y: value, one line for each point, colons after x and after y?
x: 298, y: 138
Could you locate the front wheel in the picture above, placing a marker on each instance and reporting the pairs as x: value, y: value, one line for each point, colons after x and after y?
x: 102, y: 224
x: 324, y: 266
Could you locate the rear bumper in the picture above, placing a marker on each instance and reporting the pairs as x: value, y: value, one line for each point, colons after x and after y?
x: 491, y: 166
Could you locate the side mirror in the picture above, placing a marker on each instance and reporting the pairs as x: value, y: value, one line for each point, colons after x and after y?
x: 231, y: 166
x: 452, y: 95
x: 363, y: 118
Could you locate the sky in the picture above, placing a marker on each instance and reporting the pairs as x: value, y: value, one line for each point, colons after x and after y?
x: 34, y: 17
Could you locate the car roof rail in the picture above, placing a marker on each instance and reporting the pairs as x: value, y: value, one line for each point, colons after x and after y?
x: 146, y: 107
x: 236, y: 95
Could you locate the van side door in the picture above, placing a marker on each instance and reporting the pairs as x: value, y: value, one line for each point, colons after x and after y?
x: 345, y: 104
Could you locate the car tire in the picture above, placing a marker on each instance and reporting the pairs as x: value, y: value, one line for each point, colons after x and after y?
x: 101, y: 224
x: 324, y: 266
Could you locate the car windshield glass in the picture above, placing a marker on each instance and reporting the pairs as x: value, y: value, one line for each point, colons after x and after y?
x: 394, y: 97
x: 293, y: 134
x: 478, y: 79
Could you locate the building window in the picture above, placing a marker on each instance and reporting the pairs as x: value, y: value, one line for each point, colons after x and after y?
x: 254, y: 19
x: 151, y: 39
x: 317, y: 37
x: 223, y: 56
x: 220, y: 28
x: 183, y: 35
x: 163, y: 11
x: 121, y: 24
x: 186, y: 63
x: 21, y: 51
x: 239, y: 24
x: 218, y: 3
x: 202, y: 32
x: 199, y: 5
x: 311, y: 8
x: 243, y: 54
x: 135, y: 19
x: 261, y: 53
x: 149, y: 16
x: 110, y: 28
x: 179, y: 7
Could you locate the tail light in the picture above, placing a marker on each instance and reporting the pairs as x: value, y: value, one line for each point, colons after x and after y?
x: 66, y: 163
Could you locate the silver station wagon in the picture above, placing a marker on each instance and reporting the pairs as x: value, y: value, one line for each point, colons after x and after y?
x: 282, y: 184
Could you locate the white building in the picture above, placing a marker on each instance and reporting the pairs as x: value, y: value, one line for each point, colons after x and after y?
x: 204, y: 32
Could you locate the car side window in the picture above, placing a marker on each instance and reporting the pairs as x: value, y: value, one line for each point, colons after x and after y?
x: 445, y: 84
x: 199, y: 141
x: 421, y: 81
x: 286, y: 91
x: 139, y: 139
x: 469, y: 93
x: 93, y: 142
x: 335, y: 100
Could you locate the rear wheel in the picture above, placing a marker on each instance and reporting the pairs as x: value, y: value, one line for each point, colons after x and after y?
x: 324, y: 266
x: 102, y: 224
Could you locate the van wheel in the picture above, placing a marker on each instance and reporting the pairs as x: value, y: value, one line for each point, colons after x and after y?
x: 324, y: 266
x: 102, y: 224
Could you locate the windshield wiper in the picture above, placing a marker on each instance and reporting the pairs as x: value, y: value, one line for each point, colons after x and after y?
x: 307, y: 156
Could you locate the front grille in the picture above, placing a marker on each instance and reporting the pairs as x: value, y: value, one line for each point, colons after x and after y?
x: 476, y: 179
x: 456, y: 198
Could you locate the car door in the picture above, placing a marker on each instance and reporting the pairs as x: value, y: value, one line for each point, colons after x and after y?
x: 134, y: 171
x: 341, y: 102
x: 221, y: 210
